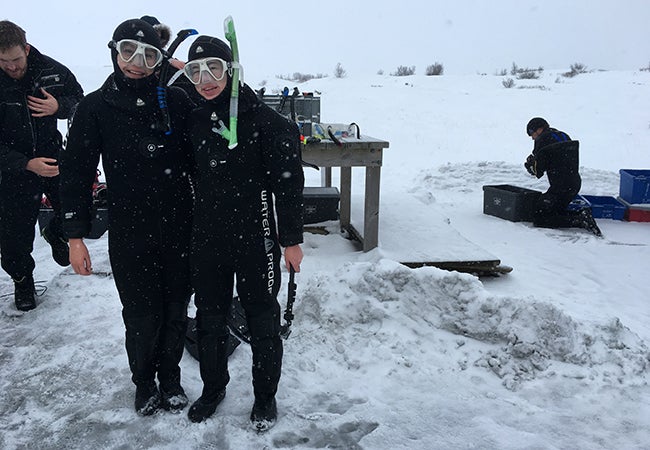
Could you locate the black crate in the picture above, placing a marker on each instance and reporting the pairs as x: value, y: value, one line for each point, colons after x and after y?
x: 320, y: 204
x: 508, y: 202
x: 99, y: 223
x: 307, y: 109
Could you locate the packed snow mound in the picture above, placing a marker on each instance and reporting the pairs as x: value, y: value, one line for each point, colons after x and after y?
x: 527, y: 338
x: 469, y: 177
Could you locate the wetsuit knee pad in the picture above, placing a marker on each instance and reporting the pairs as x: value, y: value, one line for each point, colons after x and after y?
x: 211, y: 324
x: 264, y: 327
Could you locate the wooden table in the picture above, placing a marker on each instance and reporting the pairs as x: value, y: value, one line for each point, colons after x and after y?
x: 364, y: 152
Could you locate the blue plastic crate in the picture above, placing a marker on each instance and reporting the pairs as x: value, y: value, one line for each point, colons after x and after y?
x: 635, y: 185
x: 578, y: 203
x: 603, y: 207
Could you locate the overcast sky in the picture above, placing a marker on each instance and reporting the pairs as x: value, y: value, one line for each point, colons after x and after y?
x: 285, y: 36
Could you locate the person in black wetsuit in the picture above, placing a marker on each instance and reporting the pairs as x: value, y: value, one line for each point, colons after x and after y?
x: 239, y: 193
x: 149, y: 200
x: 555, y: 154
x: 35, y: 91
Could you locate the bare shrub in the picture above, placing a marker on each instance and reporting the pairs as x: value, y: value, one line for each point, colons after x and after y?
x: 508, y: 83
x: 403, y: 71
x: 576, y: 69
x: 501, y: 73
x: 514, y: 69
x: 528, y: 74
x: 537, y: 86
x: 339, y: 71
x: 645, y: 69
x: 380, y: 72
x: 301, y: 77
x: 435, y: 69
x: 525, y: 73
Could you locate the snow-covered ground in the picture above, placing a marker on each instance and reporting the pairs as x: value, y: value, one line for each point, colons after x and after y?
x: 553, y: 355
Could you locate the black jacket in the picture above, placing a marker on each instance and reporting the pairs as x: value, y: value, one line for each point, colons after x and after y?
x: 558, y: 156
x: 548, y: 137
x: 234, y: 187
x: 147, y: 172
x: 23, y: 137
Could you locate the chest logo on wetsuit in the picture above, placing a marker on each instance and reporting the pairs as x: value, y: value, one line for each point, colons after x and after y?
x: 151, y: 147
x: 215, y: 162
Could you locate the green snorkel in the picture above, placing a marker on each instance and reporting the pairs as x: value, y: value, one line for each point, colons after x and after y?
x: 231, y: 133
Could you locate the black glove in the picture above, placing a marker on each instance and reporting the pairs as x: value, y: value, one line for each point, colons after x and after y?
x: 530, y: 165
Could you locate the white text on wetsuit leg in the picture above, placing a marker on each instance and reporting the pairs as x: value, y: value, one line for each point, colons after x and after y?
x: 266, y: 226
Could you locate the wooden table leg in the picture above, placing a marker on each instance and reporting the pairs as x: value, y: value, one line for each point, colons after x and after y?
x: 346, y: 193
x: 371, y: 209
x: 326, y: 176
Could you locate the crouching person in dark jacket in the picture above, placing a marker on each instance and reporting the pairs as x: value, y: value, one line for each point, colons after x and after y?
x: 35, y: 91
x: 239, y: 192
x: 149, y: 200
x: 557, y: 155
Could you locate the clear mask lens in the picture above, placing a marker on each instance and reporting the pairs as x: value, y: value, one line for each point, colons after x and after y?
x: 138, y: 53
x: 215, y: 67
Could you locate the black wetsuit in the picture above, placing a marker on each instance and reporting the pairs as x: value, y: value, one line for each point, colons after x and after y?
x: 149, y: 195
x: 239, y: 193
x: 556, y: 155
x: 23, y: 137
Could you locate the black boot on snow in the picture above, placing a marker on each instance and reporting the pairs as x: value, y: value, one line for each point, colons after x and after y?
x: 147, y: 398
x: 24, y: 294
x: 589, y: 223
x: 60, y: 249
x: 205, y: 406
x: 264, y: 414
x: 173, y: 398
